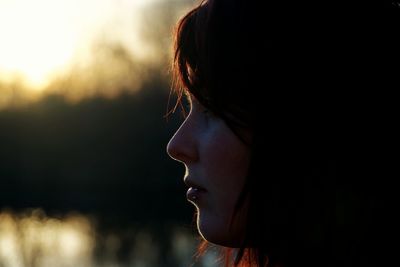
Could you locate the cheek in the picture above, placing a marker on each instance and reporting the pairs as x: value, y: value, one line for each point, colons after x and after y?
x: 217, y: 226
x: 224, y: 162
x: 227, y: 161
x: 225, y: 167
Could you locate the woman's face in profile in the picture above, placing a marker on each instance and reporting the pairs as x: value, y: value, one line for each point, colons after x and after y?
x: 216, y: 162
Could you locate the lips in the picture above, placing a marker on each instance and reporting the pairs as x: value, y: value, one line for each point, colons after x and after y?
x: 194, y: 185
x: 195, y: 191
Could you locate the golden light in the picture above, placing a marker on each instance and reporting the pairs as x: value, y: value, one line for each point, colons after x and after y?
x: 38, y: 38
x: 80, y: 49
x: 46, y: 241
x: 9, y: 245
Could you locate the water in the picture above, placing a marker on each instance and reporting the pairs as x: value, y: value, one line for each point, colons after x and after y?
x: 33, y: 239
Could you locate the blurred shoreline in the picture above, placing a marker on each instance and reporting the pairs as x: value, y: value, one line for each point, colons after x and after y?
x: 32, y: 238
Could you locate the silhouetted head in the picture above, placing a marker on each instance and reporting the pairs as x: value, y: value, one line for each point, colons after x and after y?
x: 282, y: 78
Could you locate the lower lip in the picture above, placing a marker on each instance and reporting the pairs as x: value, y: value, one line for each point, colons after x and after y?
x: 194, y: 194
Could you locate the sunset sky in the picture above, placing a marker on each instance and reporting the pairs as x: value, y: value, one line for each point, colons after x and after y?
x: 42, y: 39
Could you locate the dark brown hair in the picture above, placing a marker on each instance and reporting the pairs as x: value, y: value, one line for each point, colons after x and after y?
x: 210, y: 61
x: 309, y: 201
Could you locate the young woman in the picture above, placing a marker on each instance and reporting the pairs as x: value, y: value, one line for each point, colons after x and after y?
x: 275, y: 159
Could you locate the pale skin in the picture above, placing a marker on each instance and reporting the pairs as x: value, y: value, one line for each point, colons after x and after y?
x: 216, y: 161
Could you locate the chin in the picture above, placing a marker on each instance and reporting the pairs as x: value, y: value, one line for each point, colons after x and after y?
x: 218, y: 233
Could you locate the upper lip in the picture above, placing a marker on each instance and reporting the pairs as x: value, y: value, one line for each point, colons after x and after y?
x: 190, y: 183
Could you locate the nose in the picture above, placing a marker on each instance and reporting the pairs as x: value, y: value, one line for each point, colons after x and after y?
x: 182, y: 146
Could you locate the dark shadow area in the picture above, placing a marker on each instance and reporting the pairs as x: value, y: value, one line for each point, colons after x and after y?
x: 105, y: 157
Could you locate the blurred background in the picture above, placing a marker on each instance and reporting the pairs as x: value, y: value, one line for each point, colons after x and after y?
x: 84, y: 177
